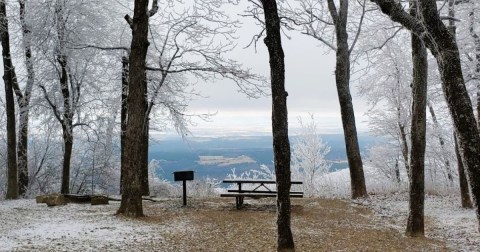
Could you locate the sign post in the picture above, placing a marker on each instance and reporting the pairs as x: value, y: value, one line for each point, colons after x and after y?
x: 183, y: 176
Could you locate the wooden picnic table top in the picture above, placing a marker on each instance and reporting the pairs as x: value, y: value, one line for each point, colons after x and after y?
x: 257, y: 181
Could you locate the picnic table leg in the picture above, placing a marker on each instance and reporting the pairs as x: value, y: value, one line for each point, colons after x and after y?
x: 239, y: 198
x: 239, y: 201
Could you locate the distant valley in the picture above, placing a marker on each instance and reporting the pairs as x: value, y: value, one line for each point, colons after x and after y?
x: 215, y: 157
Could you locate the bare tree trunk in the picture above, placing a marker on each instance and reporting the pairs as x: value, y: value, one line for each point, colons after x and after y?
x: 67, y: 155
x: 464, y: 191
x: 131, y: 204
x: 123, y: 118
x: 22, y: 150
x: 415, y: 223
x: 67, y: 113
x: 281, y: 144
x: 397, y: 172
x: 24, y: 105
x: 67, y: 127
x: 342, y: 77
x: 145, y: 184
x: 9, y: 78
x: 145, y: 137
x: 444, y: 47
x: 404, y: 143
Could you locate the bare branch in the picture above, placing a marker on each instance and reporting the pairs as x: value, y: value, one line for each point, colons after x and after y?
x: 388, y: 39
x: 56, y: 113
x: 450, y: 18
x: 154, y: 8
x: 314, y: 35
x: 396, y: 12
x: 319, y: 18
x: 129, y: 20
x: 359, y: 30
x: 105, y: 48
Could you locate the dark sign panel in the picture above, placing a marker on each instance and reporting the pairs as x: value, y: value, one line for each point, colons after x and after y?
x: 182, y: 175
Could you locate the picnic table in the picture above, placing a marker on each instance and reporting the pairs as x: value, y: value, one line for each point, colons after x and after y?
x: 259, y: 191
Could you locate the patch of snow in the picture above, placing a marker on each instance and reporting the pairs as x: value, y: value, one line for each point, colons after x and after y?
x: 445, y: 219
x: 26, y: 225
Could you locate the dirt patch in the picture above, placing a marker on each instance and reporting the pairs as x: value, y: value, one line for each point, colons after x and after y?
x: 318, y: 225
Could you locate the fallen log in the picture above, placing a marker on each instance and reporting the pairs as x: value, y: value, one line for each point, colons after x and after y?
x: 63, y: 199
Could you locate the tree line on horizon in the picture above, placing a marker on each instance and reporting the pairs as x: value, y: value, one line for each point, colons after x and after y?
x: 79, y: 78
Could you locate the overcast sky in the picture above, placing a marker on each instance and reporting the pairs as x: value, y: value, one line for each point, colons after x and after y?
x: 310, y: 83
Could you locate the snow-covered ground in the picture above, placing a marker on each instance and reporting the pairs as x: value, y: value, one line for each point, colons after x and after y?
x: 445, y: 218
x: 27, y: 226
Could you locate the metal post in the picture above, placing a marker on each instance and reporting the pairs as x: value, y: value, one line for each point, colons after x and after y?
x: 184, y: 192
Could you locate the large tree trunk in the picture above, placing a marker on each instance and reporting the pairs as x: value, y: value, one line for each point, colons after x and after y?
x: 66, y: 126
x: 131, y: 204
x: 145, y: 137
x: 415, y: 223
x: 464, y: 191
x: 459, y: 103
x: 444, y: 47
x: 24, y: 105
x: 123, y: 118
x: 67, y: 155
x: 448, y: 59
x: 342, y: 77
x: 67, y: 114
x: 9, y: 78
x: 281, y: 144
x: 22, y: 151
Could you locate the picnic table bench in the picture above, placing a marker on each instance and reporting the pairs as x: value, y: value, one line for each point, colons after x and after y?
x: 260, y: 191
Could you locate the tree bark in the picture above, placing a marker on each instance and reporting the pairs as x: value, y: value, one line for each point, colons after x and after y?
x: 464, y: 191
x: 67, y: 155
x: 476, y: 43
x: 281, y: 144
x: 145, y: 185
x: 123, y: 118
x: 397, y: 172
x: 23, y: 100
x: 415, y: 223
x: 444, y: 47
x: 131, y: 204
x: 67, y: 114
x: 404, y: 143
x: 9, y: 79
x: 342, y: 77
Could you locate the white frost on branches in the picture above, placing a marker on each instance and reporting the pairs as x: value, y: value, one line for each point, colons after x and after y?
x: 308, y: 156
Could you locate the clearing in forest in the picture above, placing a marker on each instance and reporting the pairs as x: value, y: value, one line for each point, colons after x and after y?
x: 204, y: 225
